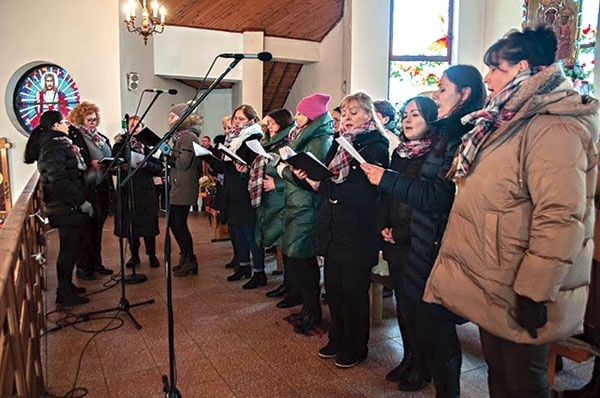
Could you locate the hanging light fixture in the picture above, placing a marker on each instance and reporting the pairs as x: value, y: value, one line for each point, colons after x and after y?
x: 150, y: 24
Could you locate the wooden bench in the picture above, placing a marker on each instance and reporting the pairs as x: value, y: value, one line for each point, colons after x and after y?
x: 571, y: 348
x: 378, y: 282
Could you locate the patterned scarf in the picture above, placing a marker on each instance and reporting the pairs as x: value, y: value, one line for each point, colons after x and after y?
x: 340, y: 164
x: 177, y: 136
x: 411, y: 149
x: 93, y: 136
x: 75, y: 149
x: 255, y: 183
x: 500, y: 109
x: 295, y: 132
x: 242, y: 133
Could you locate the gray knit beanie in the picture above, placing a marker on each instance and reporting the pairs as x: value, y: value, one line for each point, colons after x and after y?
x: 179, y: 109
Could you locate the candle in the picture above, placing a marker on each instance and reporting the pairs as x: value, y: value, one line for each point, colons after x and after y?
x: 132, y: 8
x: 163, y: 12
x: 154, y: 9
x: 127, y: 13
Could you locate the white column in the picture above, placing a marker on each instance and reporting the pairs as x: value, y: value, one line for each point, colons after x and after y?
x: 252, y: 71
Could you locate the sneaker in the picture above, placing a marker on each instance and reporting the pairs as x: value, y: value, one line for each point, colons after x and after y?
x: 348, y: 361
x: 328, y: 352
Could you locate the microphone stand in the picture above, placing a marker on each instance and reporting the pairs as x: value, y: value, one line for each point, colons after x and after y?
x: 170, y: 383
x: 124, y: 305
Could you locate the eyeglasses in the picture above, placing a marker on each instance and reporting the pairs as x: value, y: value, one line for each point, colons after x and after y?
x: 91, y: 120
x: 65, y: 121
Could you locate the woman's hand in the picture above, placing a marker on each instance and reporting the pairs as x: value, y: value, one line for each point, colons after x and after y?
x: 313, y: 184
x: 299, y: 173
x: 373, y: 173
x: 97, y: 165
x: 386, y: 233
x: 242, y: 168
x: 268, y: 183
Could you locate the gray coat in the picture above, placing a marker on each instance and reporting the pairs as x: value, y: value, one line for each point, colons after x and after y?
x: 184, y: 173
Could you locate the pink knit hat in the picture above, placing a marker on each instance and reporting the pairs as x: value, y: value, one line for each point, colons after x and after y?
x: 313, y: 106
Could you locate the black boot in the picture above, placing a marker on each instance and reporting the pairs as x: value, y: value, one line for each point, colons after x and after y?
x: 406, y: 364
x: 446, y: 377
x: 280, y: 291
x: 296, y: 316
x: 289, y: 301
x: 132, y: 262
x: 182, y: 260
x: 591, y: 389
x: 153, y: 261
x: 258, y: 279
x: 67, y: 297
x: 415, y: 378
x: 307, y: 322
x: 241, y: 272
x: 189, y: 268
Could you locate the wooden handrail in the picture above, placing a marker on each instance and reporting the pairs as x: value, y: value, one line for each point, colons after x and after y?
x: 21, y: 303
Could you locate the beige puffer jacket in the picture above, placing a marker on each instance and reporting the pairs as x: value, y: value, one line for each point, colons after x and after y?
x: 522, y: 222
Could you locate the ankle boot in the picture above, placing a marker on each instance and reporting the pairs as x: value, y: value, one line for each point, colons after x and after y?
x: 189, y: 268
x: 414, y: 379
x: 406, y: 365
x: 446, y: 377
x: 258, y: 279
x: 182, y: 261
x: 67, y: 297
x: 289, y: 301
x: 280, y: 291
x: 133, y: 261
x: 153, y: 261
x: 307, y: 322
x: 591, y: 389
x: 241, y: 272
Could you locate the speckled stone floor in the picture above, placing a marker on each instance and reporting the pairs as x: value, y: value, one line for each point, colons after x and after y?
x: 229, y: 342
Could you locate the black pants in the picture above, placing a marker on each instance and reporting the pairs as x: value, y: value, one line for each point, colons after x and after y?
x: 74, y: 243
x: 347, y: 286
x: 304, y: 276
x: 181, y: 232
x: 515, y: 370
x: 397, y: 266
x: 149, y: 242
x: 100, y: 201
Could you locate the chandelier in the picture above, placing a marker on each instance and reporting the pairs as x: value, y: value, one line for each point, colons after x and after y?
x: 149, y: 24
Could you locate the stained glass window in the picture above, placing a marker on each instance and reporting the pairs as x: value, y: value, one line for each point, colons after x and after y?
x: 420, y: 46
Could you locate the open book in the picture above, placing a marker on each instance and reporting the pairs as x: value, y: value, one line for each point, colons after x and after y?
x: 230, y: 154
x: 147, y: 137
x: 306, y: 161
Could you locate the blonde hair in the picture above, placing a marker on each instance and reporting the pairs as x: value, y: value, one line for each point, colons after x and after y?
x: 366, y: 103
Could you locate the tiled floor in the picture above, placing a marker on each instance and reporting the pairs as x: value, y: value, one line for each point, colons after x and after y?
x: 229, y: 342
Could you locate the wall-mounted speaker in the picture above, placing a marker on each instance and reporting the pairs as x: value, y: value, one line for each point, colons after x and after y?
x: 133, y: 81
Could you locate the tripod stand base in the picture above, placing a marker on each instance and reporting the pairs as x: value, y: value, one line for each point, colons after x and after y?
x: 134, y: 279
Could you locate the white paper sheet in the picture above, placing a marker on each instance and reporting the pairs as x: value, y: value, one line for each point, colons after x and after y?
x: 350, y: 149
x: 136, y: 159
x: 230, y: 154
x: 255, y: 147
x: 199, y: 150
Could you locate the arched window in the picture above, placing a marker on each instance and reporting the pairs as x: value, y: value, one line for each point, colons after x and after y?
x: 420, y: 46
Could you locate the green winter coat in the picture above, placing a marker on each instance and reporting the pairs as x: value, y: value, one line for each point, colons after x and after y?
x: 269, y: 215
x: 301, y: 204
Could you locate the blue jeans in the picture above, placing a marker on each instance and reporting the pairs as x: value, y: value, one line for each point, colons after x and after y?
x: 244, y: 244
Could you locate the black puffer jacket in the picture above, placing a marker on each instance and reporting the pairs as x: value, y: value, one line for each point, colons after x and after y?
x: 62, y: 181
x: 346, y: 224
x: 395, y: 214
x: 430, y: 196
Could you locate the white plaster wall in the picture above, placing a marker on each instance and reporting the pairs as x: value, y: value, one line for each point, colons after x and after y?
x: 136, y: 57
x: 370, y: 47
x: 80, y: 36
x: 323, y: 77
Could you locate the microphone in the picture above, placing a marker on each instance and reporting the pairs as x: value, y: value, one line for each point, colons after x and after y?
x: 264, y: 56
x: 171, y: 91
x: 125, y: 122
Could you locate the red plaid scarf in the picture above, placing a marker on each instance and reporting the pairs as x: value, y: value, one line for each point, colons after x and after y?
x: 93, y: 136
x: 295, y: 132
x: 411, y: 149
x: 501, y: 109
x: 76, y: 151
x: 340, y: 164
x: 255, y: 183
